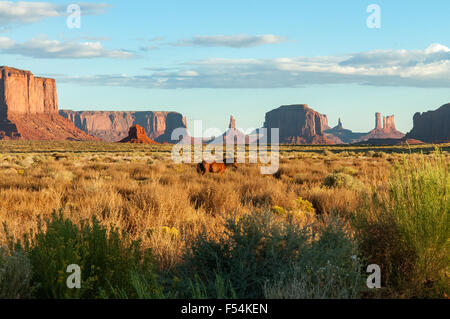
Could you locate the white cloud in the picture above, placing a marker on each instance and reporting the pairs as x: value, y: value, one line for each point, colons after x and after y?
x: 188, y: 73
x: 20, y: 12
x: 414, y: 68
x: 45, y: 48
x: 232, y: 41
x: 436, y: 47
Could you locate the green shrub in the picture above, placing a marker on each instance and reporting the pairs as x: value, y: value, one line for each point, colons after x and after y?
x: 342, y: 180
x: 413, y: 223
x: 106, y: 258
x: 327, y: 268
x: 347, y: 170
x: 255, y: 248
x: 259, y: 249
x: 144, y: 286
x: 15, y: 275
x: 223, y: 289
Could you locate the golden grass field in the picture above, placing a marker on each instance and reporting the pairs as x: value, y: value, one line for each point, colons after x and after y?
x: 137, y: 188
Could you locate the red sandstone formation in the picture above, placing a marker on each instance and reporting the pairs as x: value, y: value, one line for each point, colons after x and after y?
x: 432, y: 126
x: 233, y: 135
x: 29, y: 109
x: 113, y: 126
x: 378, y: 121
x: 388, y: 131
x: 232, y: 122
x: 137, y: 135
x: 298, y: 124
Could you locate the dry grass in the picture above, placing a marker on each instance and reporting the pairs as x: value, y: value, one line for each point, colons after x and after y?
x: 138, y: 189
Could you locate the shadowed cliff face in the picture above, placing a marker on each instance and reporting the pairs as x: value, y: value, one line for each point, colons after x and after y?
x: 432, y: 126
x: 114, y: 126
x: 29, y: 109
x: 297, y: 124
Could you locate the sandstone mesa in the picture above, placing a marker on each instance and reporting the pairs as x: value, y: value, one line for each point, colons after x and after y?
x: 29, y: 109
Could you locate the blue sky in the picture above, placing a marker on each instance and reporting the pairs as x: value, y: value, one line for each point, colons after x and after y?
x: 210, y: 59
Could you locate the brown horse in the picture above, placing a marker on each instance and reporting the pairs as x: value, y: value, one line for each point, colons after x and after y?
x: 215, y: 167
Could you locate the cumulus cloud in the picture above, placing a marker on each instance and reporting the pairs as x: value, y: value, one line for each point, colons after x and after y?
x: 413, y: 68
x: 46, y: 49
x: 232, y: 41
x: 20, y: 12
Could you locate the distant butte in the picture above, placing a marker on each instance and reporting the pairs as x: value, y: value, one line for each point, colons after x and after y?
x: 432, y: 126
x: 387, y: 131
x: 298, y: 124
x: 137, y: 135
x: 113, y: 126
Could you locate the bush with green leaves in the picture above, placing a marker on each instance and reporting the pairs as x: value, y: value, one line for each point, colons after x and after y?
x: 339, y: 179
x: 407, y: 232
x: 328, y: 267
x: 260, y: 248
x: 15, y: 275
x: 107, y: 259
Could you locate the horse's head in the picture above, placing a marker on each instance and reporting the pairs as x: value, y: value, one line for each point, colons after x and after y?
x: 232, y: 163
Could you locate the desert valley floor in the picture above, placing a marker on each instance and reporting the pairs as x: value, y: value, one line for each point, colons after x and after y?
x: 167, y: 207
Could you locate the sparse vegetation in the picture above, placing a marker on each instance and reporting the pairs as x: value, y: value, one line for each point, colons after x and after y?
x: 392, y: 209
x: 407, y: 229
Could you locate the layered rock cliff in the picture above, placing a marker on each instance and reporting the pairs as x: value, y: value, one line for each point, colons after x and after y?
x: 112, y: 126
x: 432, y: 126
x: 29, y: 109
x: 23, y: 93
x: 298, y: 124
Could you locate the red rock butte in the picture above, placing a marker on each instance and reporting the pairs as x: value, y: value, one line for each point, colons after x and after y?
x: 385, y: 131
x: 29, y: 109
x: 432, y: 126
x: 297, y: 124
x: 137, y: 135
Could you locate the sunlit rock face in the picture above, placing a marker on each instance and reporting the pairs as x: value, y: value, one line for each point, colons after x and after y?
x: 113, y: 126
x: 29, y: 109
